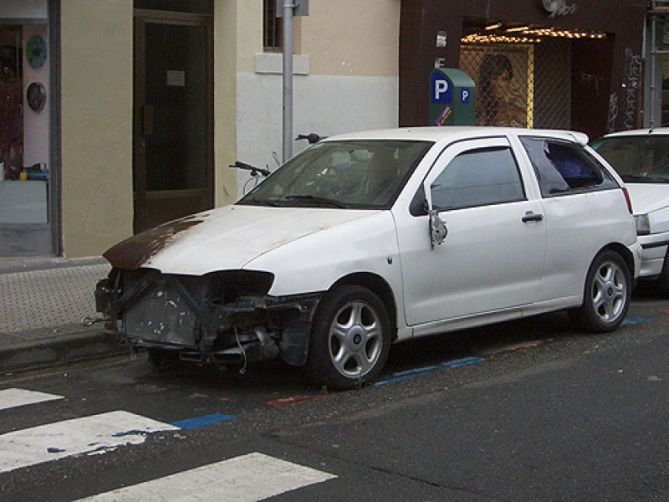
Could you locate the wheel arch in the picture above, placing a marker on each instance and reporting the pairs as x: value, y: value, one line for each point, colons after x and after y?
x: 589, y: 315
x: 379, y: 286
x: 624, y: 252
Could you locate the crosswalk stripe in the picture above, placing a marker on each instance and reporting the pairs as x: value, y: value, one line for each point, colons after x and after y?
x: 12, y: 398
x: 92, y: 434
x: 247, y: 478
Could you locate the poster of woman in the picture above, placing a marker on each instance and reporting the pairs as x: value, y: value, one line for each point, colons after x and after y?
x: 501, y: 79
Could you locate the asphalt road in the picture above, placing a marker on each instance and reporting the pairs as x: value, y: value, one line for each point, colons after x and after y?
x: 526, y: 410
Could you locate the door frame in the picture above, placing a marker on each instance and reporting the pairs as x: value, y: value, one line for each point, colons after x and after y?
x: 141, y: 17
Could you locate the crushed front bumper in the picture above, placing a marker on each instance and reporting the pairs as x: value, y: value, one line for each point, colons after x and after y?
x: 213, y: 318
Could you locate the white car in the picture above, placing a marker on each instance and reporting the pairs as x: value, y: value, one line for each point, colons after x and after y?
x: 371, y: 238
x: 641, y: 158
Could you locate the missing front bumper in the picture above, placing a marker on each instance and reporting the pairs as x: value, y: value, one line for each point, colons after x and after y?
x: 208, y: 318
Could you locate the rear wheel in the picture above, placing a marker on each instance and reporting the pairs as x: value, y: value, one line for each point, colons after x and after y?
x: 350, y: 338
x: 606, y: 294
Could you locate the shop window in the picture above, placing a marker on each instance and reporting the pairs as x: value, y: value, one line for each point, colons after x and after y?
x: 272, y: 27
x: 24, y: 122
x: 523, y: 73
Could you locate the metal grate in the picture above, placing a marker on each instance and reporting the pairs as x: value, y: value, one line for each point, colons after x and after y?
x: 521, y: 85
x: 160, y: 315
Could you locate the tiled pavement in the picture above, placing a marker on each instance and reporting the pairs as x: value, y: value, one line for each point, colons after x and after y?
x: 42, y: 302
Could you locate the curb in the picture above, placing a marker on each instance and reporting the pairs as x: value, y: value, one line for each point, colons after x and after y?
x: 60, y: 350
x: 12, y: 266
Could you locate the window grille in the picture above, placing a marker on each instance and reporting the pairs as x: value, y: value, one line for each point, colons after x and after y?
x: 272, y: 27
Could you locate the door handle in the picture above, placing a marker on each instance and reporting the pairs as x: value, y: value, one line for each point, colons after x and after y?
x: 530, y: 216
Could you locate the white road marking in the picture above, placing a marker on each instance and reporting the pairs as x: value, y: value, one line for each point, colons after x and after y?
x: 12, y: 398
x: 247, y: 478
x: 92, y: 434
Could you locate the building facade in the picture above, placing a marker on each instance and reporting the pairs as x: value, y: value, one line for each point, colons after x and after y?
x: 121, y: 114
x: 571, y: 64
x: 656, y: 74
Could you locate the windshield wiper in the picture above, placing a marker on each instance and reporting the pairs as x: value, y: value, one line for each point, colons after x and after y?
x: 316, y: 200
x: 644, y: 179
x: 260, y: 202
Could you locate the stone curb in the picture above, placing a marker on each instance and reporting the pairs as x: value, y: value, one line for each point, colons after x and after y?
x: 9, y: 266
x: 60, y: 350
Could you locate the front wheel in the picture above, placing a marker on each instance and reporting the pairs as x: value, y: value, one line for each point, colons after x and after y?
x: 350, y: 339
x: 606, y: 296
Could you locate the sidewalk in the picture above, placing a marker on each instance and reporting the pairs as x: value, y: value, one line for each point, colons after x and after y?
x: 42, y: 302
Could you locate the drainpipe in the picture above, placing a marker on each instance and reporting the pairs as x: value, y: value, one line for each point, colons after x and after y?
x: 288, y: 7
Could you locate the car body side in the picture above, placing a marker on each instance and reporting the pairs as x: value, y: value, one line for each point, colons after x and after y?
x: 368, y: 248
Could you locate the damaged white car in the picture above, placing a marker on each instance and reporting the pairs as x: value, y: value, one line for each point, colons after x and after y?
x: 371, y: 238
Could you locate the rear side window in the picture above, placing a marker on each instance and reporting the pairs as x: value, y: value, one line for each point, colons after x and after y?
x: 564, y: 167
x: 478, y: 178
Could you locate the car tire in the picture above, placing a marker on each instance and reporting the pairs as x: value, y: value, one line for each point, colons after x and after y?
x: 662, y: 284
x: 606, y: 294
x: 350, y: 338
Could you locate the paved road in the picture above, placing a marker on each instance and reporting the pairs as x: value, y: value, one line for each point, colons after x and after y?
x: 521, y: 411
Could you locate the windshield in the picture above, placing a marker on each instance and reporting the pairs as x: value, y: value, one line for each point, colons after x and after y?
x: 345, y: 174
x: 637, y: 159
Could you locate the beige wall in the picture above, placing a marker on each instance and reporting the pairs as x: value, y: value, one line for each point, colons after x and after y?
x: 96, y: 124
x: 249, y: 33
x: 237, y: 39
x: 97, y: 58
x: 352, y: 37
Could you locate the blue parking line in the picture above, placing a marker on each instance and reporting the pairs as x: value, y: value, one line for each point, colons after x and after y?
x: 402, y: 376
x: 203, y: 421
x: 634, y: 321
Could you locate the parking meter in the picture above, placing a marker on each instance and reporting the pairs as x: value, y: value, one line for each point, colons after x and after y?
x: 452, y: 97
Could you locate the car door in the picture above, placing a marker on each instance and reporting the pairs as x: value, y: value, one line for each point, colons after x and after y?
x: 492, y: 256
x: 584, y: 210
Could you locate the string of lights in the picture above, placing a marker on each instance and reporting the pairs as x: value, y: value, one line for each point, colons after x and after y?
x: 495, y: 33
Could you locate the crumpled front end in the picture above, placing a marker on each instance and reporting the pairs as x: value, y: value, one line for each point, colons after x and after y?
x: 219, y: 317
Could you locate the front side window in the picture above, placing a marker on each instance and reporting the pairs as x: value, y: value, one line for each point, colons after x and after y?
x: 637, y: 159
x: 478, y: 178
x: 366, y: 174
x: 562, y: 167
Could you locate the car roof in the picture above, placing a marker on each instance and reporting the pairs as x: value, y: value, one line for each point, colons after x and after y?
x: 454, y: 133
x: 658, y: 131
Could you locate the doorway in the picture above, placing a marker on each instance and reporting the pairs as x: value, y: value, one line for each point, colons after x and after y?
x: 173, y: 116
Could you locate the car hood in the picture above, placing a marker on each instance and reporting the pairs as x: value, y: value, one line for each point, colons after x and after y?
x: 223, y: 239
x: 648, y: 197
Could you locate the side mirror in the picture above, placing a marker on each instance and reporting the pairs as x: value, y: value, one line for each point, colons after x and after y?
x: 438, y: 230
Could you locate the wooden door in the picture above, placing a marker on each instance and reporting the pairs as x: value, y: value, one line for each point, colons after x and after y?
x: 173, y: 116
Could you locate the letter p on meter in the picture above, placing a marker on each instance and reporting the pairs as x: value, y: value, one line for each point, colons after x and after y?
x: 440, y: 87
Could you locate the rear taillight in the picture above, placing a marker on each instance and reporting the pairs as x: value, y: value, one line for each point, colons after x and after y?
x: 628, y: 200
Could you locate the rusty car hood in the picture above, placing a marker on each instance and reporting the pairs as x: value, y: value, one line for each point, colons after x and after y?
x: 223, y: 239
